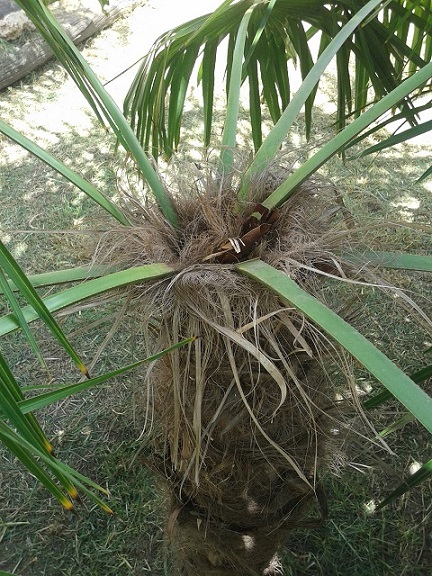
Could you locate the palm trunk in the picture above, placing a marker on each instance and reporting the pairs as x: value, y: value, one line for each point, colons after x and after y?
x: 242, y: 418
x: 235, y: 497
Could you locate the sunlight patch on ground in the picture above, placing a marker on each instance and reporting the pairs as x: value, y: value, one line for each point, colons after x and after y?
x: 19, y: 249
x: 428, y: 186
x: 5, y: 237
x: 414, y: 467
x: 44, y: 118
x: 370, y: 507
x: 10, y: 153
x: 407, y: 206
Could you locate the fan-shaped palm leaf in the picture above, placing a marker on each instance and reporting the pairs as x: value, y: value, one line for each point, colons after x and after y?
x: 394, y: 43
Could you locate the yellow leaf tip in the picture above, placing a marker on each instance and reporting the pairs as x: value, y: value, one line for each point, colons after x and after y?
x: 107, y: 509
x: 67, y: 504
x: 49, y: 447
x: 84, y: 371
x: 73, y: 493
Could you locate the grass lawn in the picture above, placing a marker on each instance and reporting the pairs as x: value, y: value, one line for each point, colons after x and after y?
x: 48, y: 226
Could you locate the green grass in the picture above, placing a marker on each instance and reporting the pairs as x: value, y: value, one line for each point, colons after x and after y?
x: 39, y: 538
x: 355, y: 542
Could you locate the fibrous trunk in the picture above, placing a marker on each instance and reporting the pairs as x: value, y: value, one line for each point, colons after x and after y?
x: 244, y: 424
x: 241, y: 417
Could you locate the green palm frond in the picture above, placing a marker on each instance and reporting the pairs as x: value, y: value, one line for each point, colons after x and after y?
x: 91, y: 288
x: 394, y: 44
x: 19, y: 430
x: 10, y: 267
x: 341, y: 140
x: 395, y: 380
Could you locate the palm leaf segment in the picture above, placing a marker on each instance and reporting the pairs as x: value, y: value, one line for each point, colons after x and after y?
x: 393, y: 44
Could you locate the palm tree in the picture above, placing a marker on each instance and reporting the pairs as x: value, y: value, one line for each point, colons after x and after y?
x: 230, y: 274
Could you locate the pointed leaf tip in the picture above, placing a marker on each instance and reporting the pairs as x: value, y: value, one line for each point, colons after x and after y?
x: 84, y: 371
x: 107, y: 509
x: 73, y: 493
x: 48, y: 447
x: 67, y: 505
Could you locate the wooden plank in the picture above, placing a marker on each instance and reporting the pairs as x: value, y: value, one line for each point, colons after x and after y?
x: 18, y: 60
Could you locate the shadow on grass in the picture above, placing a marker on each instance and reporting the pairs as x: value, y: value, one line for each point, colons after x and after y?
x: 39, y: 538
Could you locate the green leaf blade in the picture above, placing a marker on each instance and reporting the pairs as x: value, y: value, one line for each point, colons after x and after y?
x: 393, y: 260
x: 340, y: 141
x: 422, y: 475
x: 43, y: 400
x: 8, y: 263
x: 394, y: 379
x: 93, y: 287
x: 102, y: 103
x: 13, y: 442
x: 273, y: 141
x: 69, y: 174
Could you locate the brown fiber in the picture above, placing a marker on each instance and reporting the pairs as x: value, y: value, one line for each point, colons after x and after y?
x: 240, y: 419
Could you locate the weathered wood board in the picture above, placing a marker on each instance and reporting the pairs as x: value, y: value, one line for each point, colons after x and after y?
x: 18, y: 59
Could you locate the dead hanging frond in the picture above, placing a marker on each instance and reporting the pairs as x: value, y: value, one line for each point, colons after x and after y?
x: 244, y: 334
